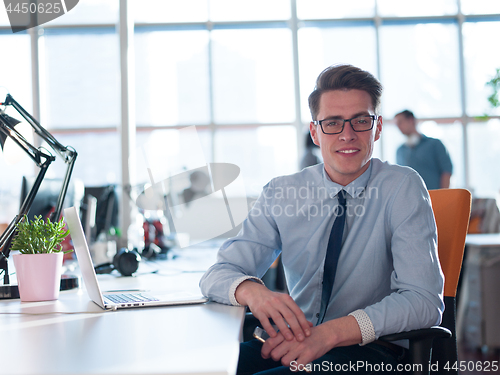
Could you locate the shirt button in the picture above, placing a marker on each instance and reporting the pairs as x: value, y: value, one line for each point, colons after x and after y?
x: 317, y: 315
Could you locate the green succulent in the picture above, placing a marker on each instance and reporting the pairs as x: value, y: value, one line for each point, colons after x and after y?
x: 39, y: 237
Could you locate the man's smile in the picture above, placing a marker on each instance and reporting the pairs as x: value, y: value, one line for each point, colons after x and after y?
x: 348, y: 151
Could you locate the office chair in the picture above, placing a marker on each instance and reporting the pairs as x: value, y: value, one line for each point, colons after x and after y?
x: 439, y: 344
x: 451, y: 210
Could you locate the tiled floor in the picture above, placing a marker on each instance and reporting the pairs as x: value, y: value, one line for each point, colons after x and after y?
x: 474, y: 361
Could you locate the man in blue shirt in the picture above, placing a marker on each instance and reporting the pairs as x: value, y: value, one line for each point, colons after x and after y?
x: 388, y: 277
x: 426, y: 155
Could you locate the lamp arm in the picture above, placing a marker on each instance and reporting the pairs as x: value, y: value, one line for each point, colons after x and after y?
x: 63, y: 151
x: 70, y: 160
x: 67, y: 154
x: 8, y: 235
x: 35, y: 154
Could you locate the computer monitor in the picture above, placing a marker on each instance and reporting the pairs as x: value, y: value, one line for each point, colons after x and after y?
x: 106, y: 210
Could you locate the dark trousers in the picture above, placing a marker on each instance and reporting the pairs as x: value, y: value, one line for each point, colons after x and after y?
x: 369, y: 359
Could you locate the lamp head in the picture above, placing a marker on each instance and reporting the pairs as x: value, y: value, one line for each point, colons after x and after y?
x: 12, y: 152
x: 11, y: 121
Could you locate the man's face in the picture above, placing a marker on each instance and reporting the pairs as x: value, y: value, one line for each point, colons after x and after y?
x: 346, y: 155
x: 405, y: 125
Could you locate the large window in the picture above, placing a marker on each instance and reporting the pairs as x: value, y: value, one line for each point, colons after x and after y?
x: 81, y: 78
x: 420, y: 68
x: 480, y: 63
x: 484, y: 152
x: 241, y: 72
x: 17, y: 82
x: 172, y: 77
x: 252, y: 76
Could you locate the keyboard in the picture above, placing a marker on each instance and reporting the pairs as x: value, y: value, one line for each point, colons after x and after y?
x: 129, y: 298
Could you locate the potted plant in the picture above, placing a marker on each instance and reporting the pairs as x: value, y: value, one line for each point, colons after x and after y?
x: 494, y: 98
x: 39, y: 262
x: 494, y: 83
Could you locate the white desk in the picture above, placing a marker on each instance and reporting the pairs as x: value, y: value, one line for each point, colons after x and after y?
x: 483, y: 239
x: 159, y: 340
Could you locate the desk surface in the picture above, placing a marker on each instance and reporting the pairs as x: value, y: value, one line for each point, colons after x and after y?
x: 74, y: 336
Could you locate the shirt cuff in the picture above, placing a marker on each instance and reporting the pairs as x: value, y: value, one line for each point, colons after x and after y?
x: 365, y: 325
x: 232, y: 289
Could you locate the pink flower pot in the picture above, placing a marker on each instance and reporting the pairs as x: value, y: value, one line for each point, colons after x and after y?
x: 38, y: 276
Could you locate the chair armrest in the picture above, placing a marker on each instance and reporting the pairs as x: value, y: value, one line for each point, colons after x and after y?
x: 420, y: 345
x: 251, y: 320
x: 435, y: 332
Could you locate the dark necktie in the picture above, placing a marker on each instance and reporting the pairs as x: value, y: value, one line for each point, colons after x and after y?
x: 332, y: 255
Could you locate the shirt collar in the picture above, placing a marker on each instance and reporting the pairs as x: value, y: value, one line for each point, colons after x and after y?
x: 354, y: 189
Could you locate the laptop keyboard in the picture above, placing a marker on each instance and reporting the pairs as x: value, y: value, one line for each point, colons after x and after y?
x: 129, y: 298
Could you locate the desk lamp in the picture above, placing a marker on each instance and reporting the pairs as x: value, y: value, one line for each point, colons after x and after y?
x: 42, y: 160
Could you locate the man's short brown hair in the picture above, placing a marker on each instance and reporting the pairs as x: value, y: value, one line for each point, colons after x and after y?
x: 344, y: 77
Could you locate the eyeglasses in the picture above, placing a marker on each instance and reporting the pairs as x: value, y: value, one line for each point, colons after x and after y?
x: 336, y: 126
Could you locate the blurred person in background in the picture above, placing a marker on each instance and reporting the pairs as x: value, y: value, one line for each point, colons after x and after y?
x: 426, y: 155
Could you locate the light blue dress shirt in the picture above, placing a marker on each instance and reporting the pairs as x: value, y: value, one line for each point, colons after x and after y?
x: 388, y: 267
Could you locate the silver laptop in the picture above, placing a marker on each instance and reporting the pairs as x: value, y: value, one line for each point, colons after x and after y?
x: 116, y: 300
